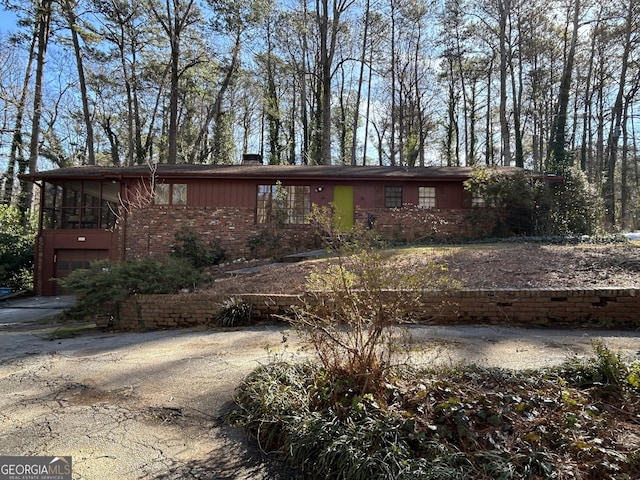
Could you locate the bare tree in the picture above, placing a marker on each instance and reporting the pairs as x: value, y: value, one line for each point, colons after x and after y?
x: 175, y: 16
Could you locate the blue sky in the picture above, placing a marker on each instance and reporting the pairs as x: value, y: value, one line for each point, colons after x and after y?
x: 7, y: 21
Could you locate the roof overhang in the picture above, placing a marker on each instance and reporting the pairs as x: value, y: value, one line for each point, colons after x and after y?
x: 262, y: 172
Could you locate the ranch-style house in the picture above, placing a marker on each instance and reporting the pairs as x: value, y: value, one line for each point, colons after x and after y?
x: 90, y: 213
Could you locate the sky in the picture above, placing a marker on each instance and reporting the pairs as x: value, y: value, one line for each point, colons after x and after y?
x: 7, y: 21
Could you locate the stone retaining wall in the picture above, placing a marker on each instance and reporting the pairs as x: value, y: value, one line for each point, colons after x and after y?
x: 602, y: 307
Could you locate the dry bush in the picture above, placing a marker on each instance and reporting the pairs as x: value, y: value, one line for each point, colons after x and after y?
x: 357, y: 302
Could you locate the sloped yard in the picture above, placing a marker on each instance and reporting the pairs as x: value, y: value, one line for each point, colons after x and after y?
x: 478, y: 266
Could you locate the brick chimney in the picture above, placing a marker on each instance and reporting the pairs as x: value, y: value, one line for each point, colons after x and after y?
x: 251, y: 159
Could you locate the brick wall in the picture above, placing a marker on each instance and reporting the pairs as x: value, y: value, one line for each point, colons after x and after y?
x: 150, y: 231
x: 609, y: 307
x: 411, y: 223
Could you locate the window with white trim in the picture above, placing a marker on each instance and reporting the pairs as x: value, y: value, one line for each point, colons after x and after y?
x: 427, y: 197
x: 477, y: 201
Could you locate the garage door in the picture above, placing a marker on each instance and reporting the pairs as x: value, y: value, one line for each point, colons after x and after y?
x: 66, y: 261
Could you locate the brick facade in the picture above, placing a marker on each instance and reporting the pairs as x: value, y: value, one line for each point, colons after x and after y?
x: 412, y: 223
x: 604, y: 307
x: 150, y: 231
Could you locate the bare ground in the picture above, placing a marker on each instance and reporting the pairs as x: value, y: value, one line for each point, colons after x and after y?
x: 477, y: 266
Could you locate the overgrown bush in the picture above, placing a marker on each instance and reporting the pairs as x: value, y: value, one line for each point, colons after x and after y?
x: 605, y: 372
x: 105, y: 285
x: 518, y: 204
x: 264, y: 243
x: 358, y: 302
x: 190, y: 246
x: 508, y: 201
x: 575, y: 205
x: 16, y: 249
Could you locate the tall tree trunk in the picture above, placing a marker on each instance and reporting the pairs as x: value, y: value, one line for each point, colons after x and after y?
x: 356, y: 115
x: 504, y: 7
x: 302, y: 68
x: 488, y: 152
x: 616, y: 121
x: 43, y: 26
x: 368, y: 112
x: 558, y: 139
x: 473, y: 106
x: 392, y: 137
x: 625, y: 194
x: 214, y: 111
x: 16, y: 153
x: 274, y: 121
x: 174, y: 20
x: 516, y: 94
x: 71, y: 19
x: 586, y: 145
x: 325, y: 93
x: 172, y: 140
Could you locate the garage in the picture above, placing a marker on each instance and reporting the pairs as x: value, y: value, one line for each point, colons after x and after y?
x: 66, y: 261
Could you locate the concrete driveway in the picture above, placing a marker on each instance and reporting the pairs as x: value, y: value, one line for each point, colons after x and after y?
x: 152, y: 405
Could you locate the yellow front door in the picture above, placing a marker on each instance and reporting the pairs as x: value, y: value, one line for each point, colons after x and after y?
x: 343, y: 205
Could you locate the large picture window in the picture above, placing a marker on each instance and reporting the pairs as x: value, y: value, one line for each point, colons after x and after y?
x: 80, y: 204
x: 392, y: 197
x: 427, y: 197
x: 289, y: 204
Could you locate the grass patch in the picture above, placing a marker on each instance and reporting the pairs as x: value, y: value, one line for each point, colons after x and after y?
x: 580, y: 420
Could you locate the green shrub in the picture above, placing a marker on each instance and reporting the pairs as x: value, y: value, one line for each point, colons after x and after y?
x: 234, y: 312
x: 190, y: 246
x: 517, y: 204
x: 16, y: 250
x: 105, y: 285
x: 270, y: 401
x: 575, y: 206
x: 264, y: 243
x: 606, y: 372
x: 508, y: 201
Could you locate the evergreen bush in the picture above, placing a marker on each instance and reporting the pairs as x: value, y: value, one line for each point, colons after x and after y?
x: 16, y: 249
x: 103, y: 287
x: 190, y: 246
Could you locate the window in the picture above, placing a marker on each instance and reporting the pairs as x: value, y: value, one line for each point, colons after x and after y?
x: 392, y: 197
x: 477, y: 201
x: 427, y: 197
x: 171, y: 194
x: 283, y: 204
x: 80, y: 204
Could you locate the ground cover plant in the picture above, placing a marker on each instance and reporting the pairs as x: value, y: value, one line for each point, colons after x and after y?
x: 577, y: 421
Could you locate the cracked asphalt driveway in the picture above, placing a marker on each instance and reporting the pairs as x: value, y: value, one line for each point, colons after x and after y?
x: 151, y: 405
x: 131, y: 405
